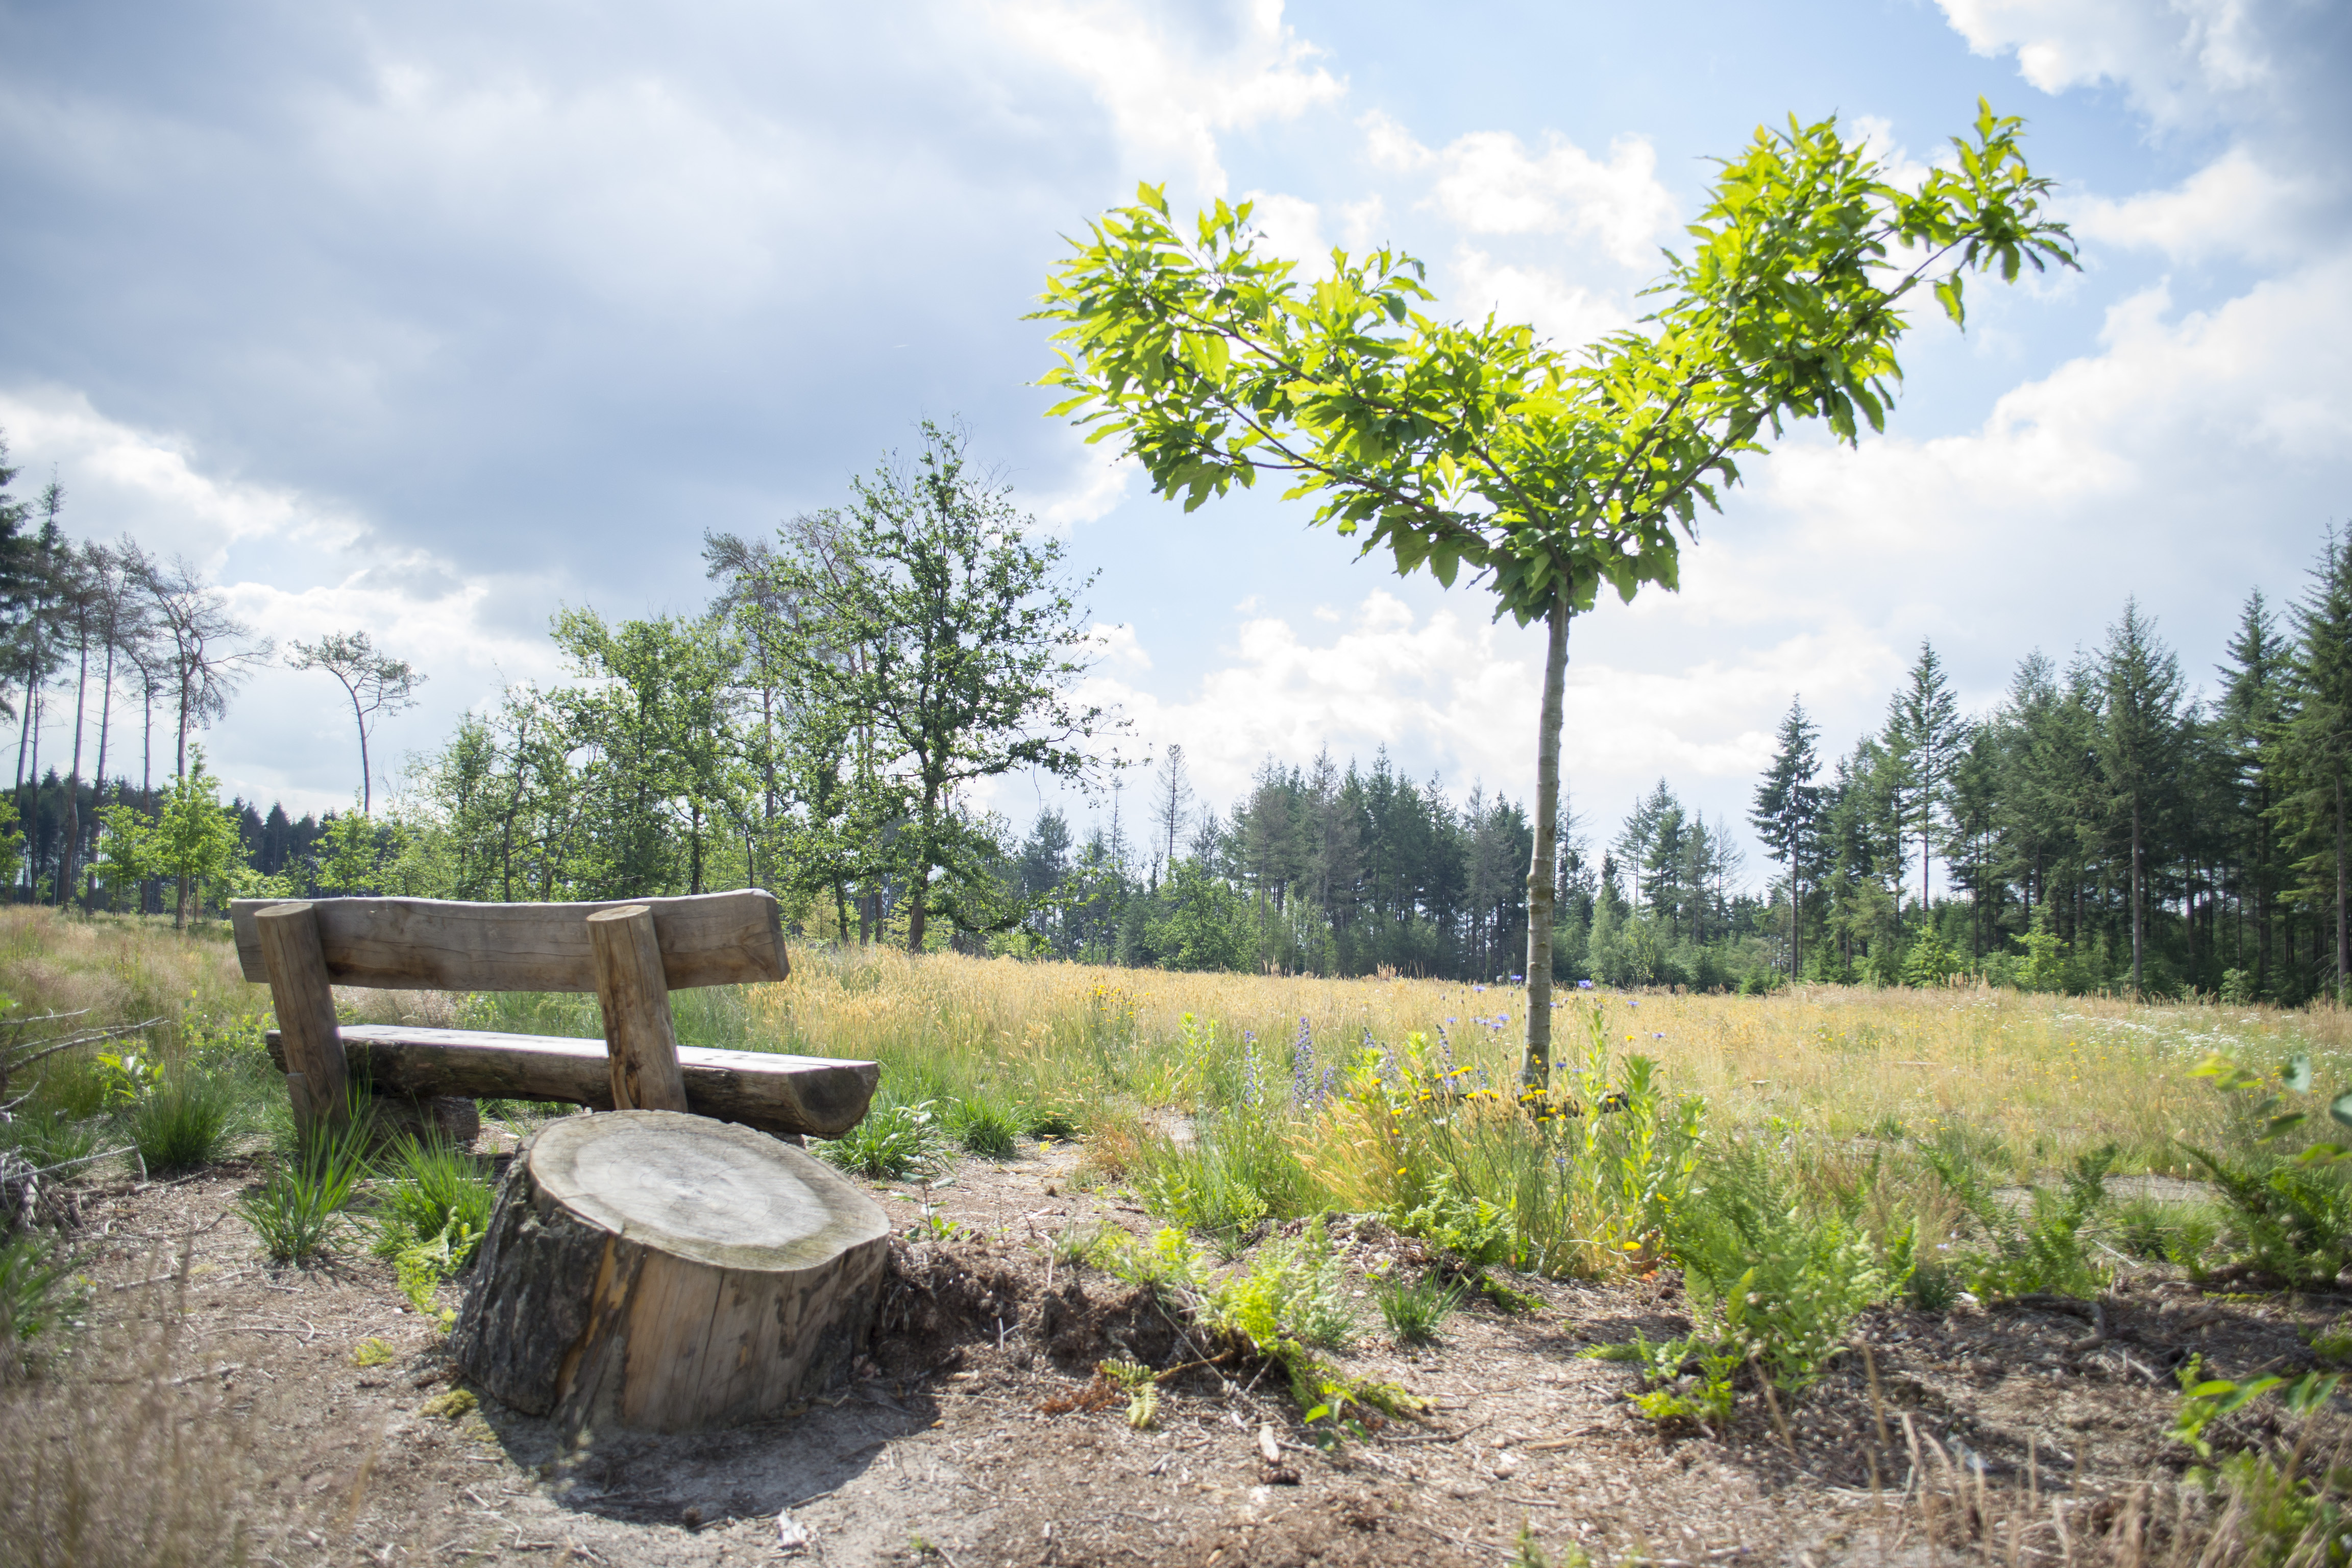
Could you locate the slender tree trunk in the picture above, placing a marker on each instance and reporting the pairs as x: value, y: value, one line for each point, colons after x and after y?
x: 367, y: 778
x: 97, y: 794
x: 2137, y: 902
x: 2343, y: 932
x: 841, y: 908
x: 1543, y: 870
x: 70, y: 849
x: 147, y: 894
x: 24, y: 730
x: 917, y: 890
x: 33, y: 821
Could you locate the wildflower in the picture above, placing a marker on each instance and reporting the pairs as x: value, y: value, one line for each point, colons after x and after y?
x: 1584, y: 985
x: 1303, y: 1089
x: 1515, y: 979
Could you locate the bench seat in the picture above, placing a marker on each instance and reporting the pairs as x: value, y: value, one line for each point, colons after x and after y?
x: 821, y: 1095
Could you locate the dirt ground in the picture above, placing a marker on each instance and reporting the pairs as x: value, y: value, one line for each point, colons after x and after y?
x: 969, y: 1438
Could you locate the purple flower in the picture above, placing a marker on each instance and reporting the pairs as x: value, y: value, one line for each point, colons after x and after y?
x: 1584, y: 985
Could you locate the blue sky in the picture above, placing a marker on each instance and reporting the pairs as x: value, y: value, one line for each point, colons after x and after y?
x: 429, y: 319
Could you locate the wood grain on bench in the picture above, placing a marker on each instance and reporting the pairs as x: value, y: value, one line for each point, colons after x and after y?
x: 823, y: 1096
x: 440, y: 944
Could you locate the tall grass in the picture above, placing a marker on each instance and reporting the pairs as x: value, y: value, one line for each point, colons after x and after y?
x: 2041, y: 1079
x: 123, y: 1456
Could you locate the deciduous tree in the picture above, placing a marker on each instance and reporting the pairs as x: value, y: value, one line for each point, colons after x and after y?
x: 1546, y: 473
x: 378, y: 685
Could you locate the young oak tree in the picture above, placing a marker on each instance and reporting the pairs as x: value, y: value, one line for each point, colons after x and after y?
x: 1545, y: 472
x: 968, y: 643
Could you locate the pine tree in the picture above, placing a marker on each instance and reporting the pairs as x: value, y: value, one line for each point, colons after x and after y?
x: 1924, y: 740
x: 2138, y: 745
x: 2320, y: 730
x: 1787, y: 811
x: 2252, y: 719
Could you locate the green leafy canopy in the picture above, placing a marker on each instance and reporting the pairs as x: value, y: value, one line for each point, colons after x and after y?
x: 1546, y: 471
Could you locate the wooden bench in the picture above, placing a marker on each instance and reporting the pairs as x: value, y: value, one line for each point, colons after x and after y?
x: 647, y: 1268
x: 631, y: 954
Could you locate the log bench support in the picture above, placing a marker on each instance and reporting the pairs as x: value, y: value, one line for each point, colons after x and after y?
x: 666, y: 1273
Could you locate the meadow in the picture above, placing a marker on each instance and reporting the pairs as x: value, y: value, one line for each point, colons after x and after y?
x: 1795, y: 1160
x: 1227, y: 1097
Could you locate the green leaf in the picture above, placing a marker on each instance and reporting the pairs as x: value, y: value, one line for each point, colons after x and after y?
x: 2340, y: 1108
x: 2297, y: 1073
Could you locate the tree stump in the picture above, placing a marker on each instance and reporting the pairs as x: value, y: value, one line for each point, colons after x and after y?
x: 664, y: 1272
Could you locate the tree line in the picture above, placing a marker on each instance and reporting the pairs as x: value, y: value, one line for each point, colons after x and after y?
x: 2102, y: 827
x: 819, y: 726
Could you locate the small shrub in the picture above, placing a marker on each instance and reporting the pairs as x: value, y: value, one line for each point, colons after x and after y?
x: 37, y: 1292
x: 55, y: 1138
x: 1169, y: 1260
x: 298, y: 1211
x: 1931, y: 1288
x: 371, y: 1352
x: 1078, y: 1244
x: 1140, y: 1385
x: 1292, y: 1290
x: 1414, y: 1311
x: 894, y: 1141
x: 423, y: 1265
x: 186, y: 1121
x: 1052, y: 1122
x: 1462, y: 1224
x: 2277, y: 1508
x: 434, y: 1186
x: 1778, y: 1282
x: 985, y: 1127
x: 1239, y: 1169
x: 2290, y: 1216
x: 2038, y: 1246
x: 1690, y: 1381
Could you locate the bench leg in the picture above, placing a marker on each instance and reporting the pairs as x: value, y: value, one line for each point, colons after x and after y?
x: 640, y: 1036
x: 316, y: 1080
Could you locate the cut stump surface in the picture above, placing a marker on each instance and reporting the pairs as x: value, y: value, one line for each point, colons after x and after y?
x: 668, y: 1273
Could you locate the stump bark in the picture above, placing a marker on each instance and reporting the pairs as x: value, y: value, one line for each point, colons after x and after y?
x: 668, y: 1273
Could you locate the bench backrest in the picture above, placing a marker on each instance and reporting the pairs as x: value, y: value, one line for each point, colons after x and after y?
x: 440, y: 944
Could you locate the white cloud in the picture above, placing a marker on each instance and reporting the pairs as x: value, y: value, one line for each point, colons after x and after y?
x: 1360, y: 223
x: 1494, y: 185
x: 1455, y: 693
x: 1293, y: 229
x: 293, y: 567
x: 2172, y: 57
x: 1118, y: 644
x: 2234, y: 206
x: 1391, y: 146
x: 1100, y: 488
x: 1166, y: 96
x: 2170, y: 408
x: 119, y: 473
x: 1567, y: 313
